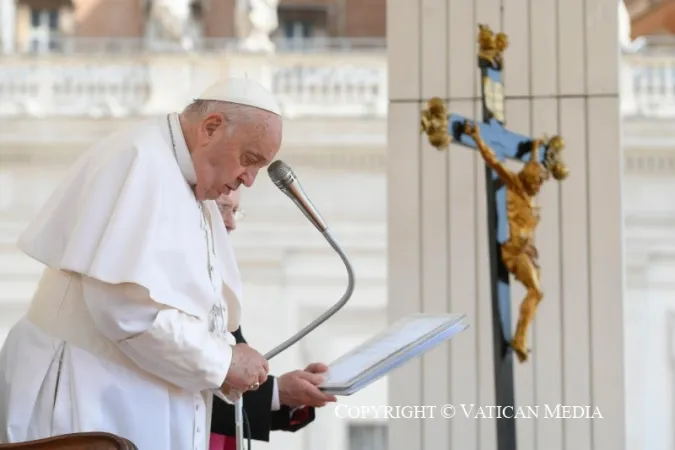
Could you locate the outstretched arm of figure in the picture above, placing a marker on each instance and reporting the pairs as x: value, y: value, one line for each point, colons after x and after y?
x: 508, y: 177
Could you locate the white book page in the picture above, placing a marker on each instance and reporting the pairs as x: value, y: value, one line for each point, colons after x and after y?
x: 383, y: 345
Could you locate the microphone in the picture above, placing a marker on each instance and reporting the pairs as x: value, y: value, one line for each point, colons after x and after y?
x: 285, y: 179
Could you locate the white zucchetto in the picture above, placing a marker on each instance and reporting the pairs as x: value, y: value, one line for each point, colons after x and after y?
x: 243, y: 91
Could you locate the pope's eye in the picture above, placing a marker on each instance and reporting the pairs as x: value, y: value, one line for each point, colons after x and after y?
x: 250, y: 159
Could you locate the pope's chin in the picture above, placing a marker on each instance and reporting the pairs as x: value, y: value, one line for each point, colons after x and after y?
x: 206, y: 194
x: 212, y: 194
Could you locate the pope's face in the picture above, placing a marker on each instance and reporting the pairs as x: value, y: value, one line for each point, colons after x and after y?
x: 229, y: 155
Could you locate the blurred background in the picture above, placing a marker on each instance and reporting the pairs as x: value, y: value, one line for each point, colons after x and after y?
x: 72, y: 71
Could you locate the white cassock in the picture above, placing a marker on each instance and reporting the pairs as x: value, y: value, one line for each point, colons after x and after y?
x: 130, y: 324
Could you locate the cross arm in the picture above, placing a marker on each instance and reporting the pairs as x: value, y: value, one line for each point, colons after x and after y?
x: 471, y: 134
x: 443, y: 128
x: 504, y: 143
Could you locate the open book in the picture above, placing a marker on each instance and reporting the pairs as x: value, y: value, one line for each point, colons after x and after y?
x: 405, y: 339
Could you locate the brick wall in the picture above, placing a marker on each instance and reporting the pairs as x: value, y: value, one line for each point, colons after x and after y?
x: 366, y: 18
x: 108, y: 18
x: 219, y: 20
x: 125, y: 18
x: 658, y: 19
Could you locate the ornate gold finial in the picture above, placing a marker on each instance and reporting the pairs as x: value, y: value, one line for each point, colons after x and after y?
x: 553, y: 161
x: 491, y: 46
x: 434, y: 123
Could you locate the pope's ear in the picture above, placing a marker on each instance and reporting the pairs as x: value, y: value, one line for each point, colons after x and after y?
x: 211, y: 123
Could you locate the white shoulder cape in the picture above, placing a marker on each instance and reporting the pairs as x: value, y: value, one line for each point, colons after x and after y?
x: 125, y: 214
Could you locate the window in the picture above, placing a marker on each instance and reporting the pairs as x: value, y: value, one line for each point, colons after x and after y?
x: 302, y: 22
x: 368, y: 437
x: 44, y: 29
x: 298, y: 29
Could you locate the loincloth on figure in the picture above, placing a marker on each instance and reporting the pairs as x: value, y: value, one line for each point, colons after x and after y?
x: 520, y: 259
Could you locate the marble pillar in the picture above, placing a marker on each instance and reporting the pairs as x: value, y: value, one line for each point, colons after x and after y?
x: 561, y: 77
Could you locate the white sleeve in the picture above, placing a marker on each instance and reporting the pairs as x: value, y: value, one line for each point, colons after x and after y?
x: 275, y: 396
x: 164, y: 341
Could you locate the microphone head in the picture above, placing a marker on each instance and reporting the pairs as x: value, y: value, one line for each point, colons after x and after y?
x: 281, y: 174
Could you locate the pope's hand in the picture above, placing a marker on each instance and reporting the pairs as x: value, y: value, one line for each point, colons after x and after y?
x: 299, y: 388
x: 231, y: 394
x: 247, y: 368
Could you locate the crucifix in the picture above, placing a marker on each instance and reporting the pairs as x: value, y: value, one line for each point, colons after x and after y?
x: 511, y: 210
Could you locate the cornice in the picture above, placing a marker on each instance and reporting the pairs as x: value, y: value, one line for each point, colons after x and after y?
x: 329, y: 144
x: 339, y: 144
x: 655, y: 220
x: 648, y: 147
x: 364, y: 158
x: 650, y: 162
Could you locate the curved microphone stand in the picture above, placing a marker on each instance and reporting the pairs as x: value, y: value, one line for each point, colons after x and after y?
x: 284, y: 178
x: 239, y: 405
x: 327, y: 315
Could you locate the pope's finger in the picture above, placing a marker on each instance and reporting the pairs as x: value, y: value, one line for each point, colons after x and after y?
x: 317, y: 368
x: 253, y: 379
x: 313, y: 378
x: 319, y: 397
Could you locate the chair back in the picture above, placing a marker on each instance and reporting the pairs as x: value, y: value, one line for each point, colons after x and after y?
x: 75, y: 441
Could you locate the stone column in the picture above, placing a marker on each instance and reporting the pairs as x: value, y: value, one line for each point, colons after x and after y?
x: 561, y: 76
x: 8, y: 25
x: 626, y: 44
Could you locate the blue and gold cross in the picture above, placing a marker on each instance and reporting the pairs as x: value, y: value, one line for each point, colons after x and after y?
x: 499, y: 144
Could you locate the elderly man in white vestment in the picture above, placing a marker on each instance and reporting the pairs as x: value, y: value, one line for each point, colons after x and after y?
x: 129, y: 330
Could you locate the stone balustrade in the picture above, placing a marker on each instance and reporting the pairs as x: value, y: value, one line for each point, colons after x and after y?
x: 121, y: 85
x: 650, y: 89
x: 325, y: 84
x: 132, y: 45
